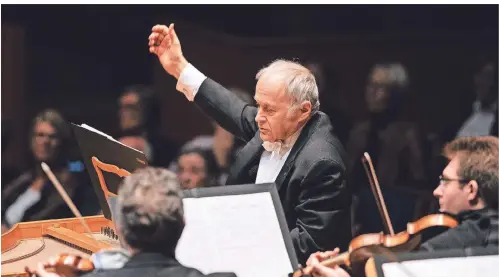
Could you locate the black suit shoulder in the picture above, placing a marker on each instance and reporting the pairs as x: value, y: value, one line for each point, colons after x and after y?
x: 323, y: 145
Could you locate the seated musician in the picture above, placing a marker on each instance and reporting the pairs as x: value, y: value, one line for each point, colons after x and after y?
x: 31, y: 196
x: 150, y: 219
x: 468, y: 190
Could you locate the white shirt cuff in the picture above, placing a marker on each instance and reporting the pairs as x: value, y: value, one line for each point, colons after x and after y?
x: 189, y: 81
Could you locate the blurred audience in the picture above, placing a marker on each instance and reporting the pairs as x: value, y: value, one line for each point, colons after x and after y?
x: 139, y: 124
x: 477, y: 114
x: 479, y: 117
x: 392, y: 141
x: 31, y: 196
x: 395, y: 147
x: 222, y: 143
x: 9, y: 172
x: 138, y: 143
x: 197, y: 168
x: 327, y: 83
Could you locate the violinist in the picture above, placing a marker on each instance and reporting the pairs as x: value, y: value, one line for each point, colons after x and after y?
x: 150, y: 221
x: 468, y: 189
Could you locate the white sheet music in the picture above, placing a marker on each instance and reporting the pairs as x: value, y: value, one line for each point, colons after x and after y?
x: 476, y: 266
x: 90, y: 128
x: 234, y: 233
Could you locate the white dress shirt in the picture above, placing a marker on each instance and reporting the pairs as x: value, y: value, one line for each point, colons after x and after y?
x: 270, y: 163
x: 26, y: 200
x: 479, y: 123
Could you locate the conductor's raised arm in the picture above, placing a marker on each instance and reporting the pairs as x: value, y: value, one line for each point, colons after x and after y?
x: 232, y: 113
x: 290, y: 142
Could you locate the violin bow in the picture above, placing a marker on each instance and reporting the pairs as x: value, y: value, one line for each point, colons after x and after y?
x: 376, y: 190
x: 65, y: 196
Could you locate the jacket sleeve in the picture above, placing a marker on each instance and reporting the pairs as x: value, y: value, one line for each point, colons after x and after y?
x: 227, y: 109
x: 463, y: 236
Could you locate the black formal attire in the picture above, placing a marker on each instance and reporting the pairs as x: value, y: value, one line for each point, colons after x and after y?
x: 312, y: 182
x: 154, y: 264
x: 477, y: 228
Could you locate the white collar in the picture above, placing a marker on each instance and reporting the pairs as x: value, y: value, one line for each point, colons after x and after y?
x: 280, y: 148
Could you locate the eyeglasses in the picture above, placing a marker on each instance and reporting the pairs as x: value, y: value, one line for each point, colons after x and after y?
x: 133, y: 107
x: 444, y: 180
x: 43, y: 134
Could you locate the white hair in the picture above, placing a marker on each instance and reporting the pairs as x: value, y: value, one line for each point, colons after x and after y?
x: 298, y: 80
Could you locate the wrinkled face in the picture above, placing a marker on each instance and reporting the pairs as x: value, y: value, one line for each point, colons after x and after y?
x: 454, y: 195
x: 45, y: 142
x: 130, y: 115
x: 377, y: 91
x: 277, y: 117
x: 192, y: 170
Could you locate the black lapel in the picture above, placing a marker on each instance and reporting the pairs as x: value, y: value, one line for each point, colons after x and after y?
x: 251, y: 151
x: 303, y: 138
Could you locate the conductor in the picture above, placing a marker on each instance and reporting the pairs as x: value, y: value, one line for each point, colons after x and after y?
x: 288, y: 142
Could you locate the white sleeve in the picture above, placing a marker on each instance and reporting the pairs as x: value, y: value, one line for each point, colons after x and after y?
x: 189, y: 81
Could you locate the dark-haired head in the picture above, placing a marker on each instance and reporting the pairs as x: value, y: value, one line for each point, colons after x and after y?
x: 198, y: 168
x: 49, y: 138
x: 139, y: 109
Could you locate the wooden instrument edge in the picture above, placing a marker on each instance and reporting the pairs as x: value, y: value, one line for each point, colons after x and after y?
x: 78, y: 239
x: 36, y: 229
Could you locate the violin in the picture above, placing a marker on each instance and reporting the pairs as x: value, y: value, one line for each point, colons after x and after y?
x: 362, y: 247
x: 66, y: 265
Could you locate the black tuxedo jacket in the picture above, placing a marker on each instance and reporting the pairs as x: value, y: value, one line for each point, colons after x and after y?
x: 311, y: 184
x: 153, y: 265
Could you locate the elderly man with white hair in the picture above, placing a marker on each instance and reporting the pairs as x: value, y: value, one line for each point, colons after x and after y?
x: 289, y: 142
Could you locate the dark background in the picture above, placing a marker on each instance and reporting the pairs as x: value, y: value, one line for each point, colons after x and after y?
x: 78, y: 58
x: 109, y: 32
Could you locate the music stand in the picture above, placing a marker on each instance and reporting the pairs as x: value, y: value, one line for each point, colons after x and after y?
x: 103, y: 155
x: 238, y: 228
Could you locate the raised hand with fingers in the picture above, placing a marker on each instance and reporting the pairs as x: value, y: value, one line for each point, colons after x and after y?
x: 164, y: 42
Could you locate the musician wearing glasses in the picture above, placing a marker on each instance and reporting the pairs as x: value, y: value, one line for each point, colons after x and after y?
x: 31, y: 196
x: 468, y: 190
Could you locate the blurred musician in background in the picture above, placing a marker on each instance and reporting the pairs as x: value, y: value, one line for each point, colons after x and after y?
x: 198, y: 168
x: 139, y: 117
x: 31, y: 196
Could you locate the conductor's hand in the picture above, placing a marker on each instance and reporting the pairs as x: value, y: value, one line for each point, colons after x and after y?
x: 164, y: 42
x: 319, y: 270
